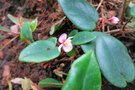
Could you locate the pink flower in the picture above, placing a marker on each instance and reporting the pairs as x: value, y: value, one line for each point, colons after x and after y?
x: 114, y: 20
x: 65, y: 43
x: 101, y: 19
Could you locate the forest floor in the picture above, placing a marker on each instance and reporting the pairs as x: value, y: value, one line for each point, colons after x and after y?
x: 49, y: 11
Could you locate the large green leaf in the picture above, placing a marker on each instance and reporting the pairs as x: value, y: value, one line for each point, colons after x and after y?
x: 53, y: 39
x: 39, y: 51
x: 114, y: 60
x: 83, y: 37
x: 84, y: 74
x: 26, y: 33
x: 81, y: 13
x: 50, y: 82
x: 88, y: 46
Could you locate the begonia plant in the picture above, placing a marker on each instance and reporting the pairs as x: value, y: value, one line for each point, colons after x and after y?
x: 103, y: 53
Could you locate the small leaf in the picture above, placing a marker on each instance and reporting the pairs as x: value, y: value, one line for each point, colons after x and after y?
x: 56, y: 26
x: 33, y: 24
x: 72, y: 52
x: 26, y: 84
x: 114, y: 60
x: 39, y: 51
x: 16, y: 19
x: 1, y: 36
x: 26, y: 33
x: 73, y: 33
x: 83, y: 37
x: 10, y: 85
x: 50, y: 82
x: 4, y: 29
x: 81, y: 13
x: 13, y: 19
x: 84, y: 74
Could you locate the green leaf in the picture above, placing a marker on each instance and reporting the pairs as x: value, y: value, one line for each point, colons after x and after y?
x: 56, y: 26
x: 13, y: 19
x: 26, y: 32
x: 4, y: 29
x: 39, y: 51
x: 114, y: 60
x: 33, y: 24
x: 87, y: 47
x: 53, y: 39
x: 73, y: 33
x: 72, y: 52
x: 1, y: 36
x: 83, y: 37
x: 16, y: 19
x: 26, y: 84
x: 81, y: 13
x: 50, y: 82
x: 84, y: 74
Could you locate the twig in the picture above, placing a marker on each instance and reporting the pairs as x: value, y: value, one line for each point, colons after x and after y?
x: 119, y: 30
x: 99, y: 4
x: 123, y: 11
x: 9, y: 42
x: 126, y: 24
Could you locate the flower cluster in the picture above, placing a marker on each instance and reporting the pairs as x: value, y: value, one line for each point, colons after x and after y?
x: 112, y: 20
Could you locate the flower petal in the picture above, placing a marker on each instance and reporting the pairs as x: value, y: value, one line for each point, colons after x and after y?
x: 62, y: 37
x: 59, y: 48
x: 68, y: 47
x: 17, y: 80
x: 114, y: 20
x: 69, y: 38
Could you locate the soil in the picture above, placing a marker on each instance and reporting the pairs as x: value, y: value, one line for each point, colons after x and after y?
x: 47, y: 11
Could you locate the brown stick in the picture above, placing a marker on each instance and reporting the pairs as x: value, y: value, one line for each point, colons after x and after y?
x: 9, y: 42
x: 99, y: 4
x: 123, y: 11
x: 119, y: 30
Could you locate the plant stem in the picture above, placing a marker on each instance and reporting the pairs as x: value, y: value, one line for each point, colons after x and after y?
x: 123, y: 11
x: 99, y: 4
